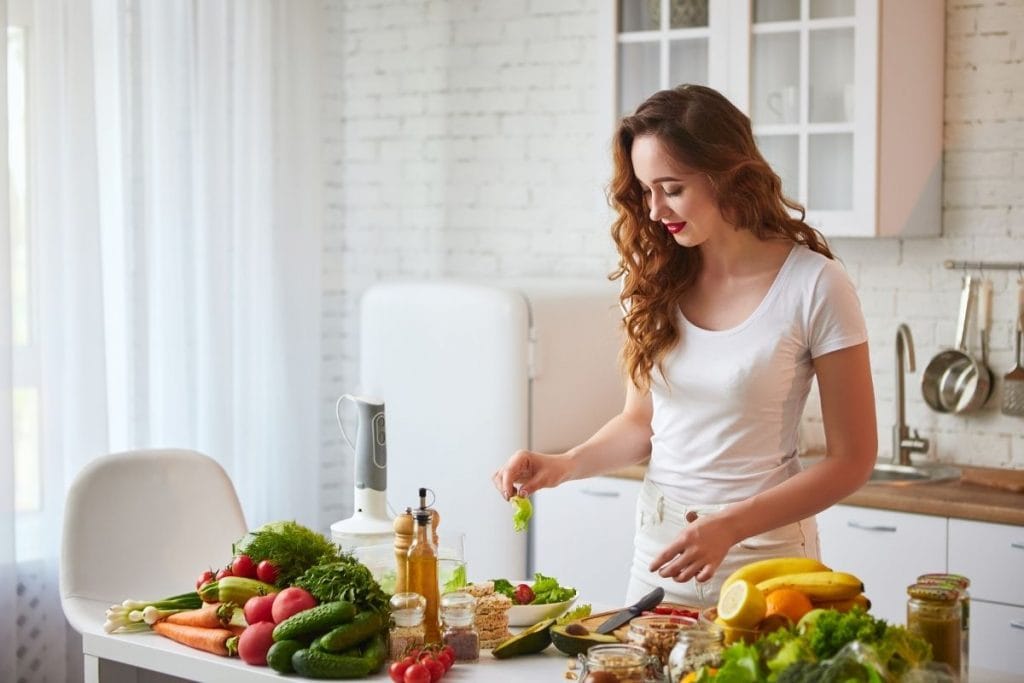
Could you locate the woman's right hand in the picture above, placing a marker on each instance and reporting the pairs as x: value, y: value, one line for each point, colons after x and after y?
x: 527, y: 471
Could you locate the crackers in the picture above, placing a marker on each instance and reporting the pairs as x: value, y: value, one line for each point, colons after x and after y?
x: 491, y: 614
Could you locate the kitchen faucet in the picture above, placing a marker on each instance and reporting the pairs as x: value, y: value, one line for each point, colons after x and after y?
x: 903, y: 443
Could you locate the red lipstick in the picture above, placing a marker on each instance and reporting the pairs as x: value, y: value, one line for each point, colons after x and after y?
x: 675, y: 228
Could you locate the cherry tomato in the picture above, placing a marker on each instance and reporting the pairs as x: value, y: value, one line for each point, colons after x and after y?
x: 445, y: 658
x: 397, y: 670
x: 226, y: 571
x: 435, y: 667
x: 244, y: 566
x: 204, y: 578
x: 266, y: 572
x: 417, y: 673
x: 524, y: 594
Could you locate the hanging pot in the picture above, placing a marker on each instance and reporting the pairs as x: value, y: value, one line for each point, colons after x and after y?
x: 954, y: 381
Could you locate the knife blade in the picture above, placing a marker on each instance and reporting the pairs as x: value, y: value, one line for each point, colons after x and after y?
x: 647, y: 602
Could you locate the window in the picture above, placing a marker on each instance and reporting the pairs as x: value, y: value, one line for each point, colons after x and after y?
x: 27, y: 467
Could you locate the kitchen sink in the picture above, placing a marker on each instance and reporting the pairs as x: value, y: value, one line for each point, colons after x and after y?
x: 901, y: 475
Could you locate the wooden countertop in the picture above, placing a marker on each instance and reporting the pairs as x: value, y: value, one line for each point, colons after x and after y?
x: 943, y: 499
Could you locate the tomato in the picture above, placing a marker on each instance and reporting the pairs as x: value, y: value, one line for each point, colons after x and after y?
x: 259, y: 608
x: 435, y: 667
x: 417, y: 673
x: 266, y: 572
x: 205, y: 578
x: 254, y: 642
x: 524, y: 594
x: 226, y: 571
x: 243, y: 566
x: 445, y: 658
x: 291, y: 600
x: 397, y: 669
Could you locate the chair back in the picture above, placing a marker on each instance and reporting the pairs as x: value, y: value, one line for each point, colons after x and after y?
x: 144, y: 524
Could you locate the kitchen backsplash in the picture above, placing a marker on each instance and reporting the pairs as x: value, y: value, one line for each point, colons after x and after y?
x: 463, y: 139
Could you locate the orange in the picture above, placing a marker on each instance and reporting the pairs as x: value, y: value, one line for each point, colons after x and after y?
x: 788, y: 602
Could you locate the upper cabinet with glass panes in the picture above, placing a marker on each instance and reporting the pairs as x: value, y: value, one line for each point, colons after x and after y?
x: 845, y: 96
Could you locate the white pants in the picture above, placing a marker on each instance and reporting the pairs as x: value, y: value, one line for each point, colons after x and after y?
x: 660, y: 520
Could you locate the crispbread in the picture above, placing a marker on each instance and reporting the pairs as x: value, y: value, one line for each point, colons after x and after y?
x: 493, y: 602
x: 478, y: 590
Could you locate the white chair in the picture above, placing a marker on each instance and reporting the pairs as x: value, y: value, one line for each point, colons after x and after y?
x: 143, y: 525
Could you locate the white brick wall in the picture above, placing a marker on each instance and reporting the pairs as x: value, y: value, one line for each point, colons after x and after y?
x: 464, y: 139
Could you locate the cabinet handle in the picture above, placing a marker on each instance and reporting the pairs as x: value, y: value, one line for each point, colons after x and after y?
x: 871, y: 527
x: 600, y: 494
x: 1017, y: 624
x: 1018, y: 545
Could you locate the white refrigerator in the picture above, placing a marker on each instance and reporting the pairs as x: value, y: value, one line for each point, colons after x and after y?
x: 469, y: 372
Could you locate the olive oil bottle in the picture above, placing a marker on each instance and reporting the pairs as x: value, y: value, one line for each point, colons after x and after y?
x: 421, y: 568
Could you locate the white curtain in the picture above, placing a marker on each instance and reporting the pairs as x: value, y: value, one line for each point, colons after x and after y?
x: 175, y: 215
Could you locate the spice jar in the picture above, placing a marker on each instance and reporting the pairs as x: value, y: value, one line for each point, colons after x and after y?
x: 407, y: 630
x: 657, y: 634
x: 458, y: 609
x: 934, y: 613
x: 627, y: 663
x: 695, y: 648
x: 962, y: 584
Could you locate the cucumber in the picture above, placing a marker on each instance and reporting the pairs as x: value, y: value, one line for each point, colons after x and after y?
x: 314, y: 621
x: 364, y: 625
x: 376, y: 653
x: 279, y: 656
x: 316, y: 664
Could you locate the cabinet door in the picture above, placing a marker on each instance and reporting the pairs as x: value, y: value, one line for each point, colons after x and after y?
x: 997, y: 636
x: 991, y: 556
x: 582, y: 534
x: 887, y: 550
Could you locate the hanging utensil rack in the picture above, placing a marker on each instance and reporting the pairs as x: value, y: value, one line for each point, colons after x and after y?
x: 984, y: 265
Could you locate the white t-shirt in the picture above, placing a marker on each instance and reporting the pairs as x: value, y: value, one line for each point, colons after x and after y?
x: 725, y: 425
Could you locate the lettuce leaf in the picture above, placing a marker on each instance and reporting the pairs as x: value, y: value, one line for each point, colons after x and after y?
x: 523, y: 512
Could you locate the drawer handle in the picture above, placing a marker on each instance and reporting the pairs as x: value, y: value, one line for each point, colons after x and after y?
x: 871, y: 527
x: 1017, y: 624
x: 1018, y: 545
x: 600, y: 494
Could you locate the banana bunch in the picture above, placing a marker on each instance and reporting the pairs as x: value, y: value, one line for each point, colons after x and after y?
x: 825, y: 587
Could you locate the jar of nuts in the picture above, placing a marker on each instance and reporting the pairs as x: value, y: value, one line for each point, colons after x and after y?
x: 613, y: 663
x: 695, y: 648
x: 657, y: 634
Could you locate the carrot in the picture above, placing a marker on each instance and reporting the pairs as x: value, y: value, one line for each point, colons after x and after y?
x: 209, y: 615
x: 219, y: 641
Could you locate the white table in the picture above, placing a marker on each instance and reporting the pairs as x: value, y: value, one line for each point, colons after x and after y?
x: 148, y: 657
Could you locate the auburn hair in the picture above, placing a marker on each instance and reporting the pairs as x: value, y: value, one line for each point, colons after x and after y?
x: 701, y: 129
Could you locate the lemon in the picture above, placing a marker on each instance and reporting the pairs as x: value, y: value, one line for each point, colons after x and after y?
x: 742, y: 605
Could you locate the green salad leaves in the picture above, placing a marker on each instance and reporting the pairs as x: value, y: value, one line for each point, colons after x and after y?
x: 546, y: 590
x: 522, y: 514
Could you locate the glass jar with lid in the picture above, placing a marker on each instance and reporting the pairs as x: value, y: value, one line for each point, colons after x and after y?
x: 458, y: 611
x: 934, y: 613
x: 407, y: 630
x: 656, y: 634
x: 627, y: 663
x: 962, y: 584
x: 695, y: 648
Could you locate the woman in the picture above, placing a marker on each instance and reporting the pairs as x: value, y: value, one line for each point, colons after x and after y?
x: 732, y: 306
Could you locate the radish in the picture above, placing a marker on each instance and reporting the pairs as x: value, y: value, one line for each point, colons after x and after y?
x: 254, y: 643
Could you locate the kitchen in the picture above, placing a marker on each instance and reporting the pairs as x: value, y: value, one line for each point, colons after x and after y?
x: 485, y: 155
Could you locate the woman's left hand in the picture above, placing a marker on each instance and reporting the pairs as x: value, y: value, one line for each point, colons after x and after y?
x: 696, y: 551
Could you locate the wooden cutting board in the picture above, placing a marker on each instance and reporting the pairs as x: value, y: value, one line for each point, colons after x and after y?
x: 994, y: 477
x: 594, y: 620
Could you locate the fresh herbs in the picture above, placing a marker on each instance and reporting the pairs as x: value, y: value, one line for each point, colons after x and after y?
x: 344, y: 579
x: 522, y: 514
x: 835, y: 646
x: 289, y: 546
x: 457, y: 579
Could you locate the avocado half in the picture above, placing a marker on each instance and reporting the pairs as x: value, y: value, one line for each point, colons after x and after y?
x: 573, y: 645
x: 531, y: 641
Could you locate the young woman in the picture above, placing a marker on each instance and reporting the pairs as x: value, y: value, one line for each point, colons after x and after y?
x: 732, y: 306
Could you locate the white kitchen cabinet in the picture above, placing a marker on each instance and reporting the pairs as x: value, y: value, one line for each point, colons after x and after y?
x: 992, y: 556
x: 887, y: 550
x: 845, y: 96
x: 582, y: 534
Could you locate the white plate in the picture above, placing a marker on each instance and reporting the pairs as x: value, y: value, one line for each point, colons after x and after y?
x: 528, y: 615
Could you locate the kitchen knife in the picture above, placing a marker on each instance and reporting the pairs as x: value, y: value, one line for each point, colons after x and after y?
x: 647, y: 602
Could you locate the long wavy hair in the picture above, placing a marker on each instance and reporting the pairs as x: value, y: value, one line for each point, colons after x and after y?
x: 703, y: 130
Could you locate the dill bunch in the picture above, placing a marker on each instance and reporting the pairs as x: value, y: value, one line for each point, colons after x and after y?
x: 289, y: 546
